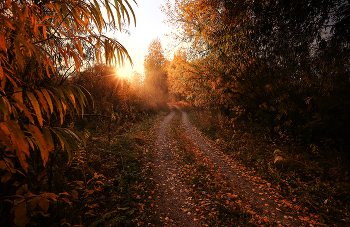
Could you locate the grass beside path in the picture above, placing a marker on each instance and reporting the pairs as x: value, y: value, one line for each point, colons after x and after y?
x: 118, y: 178
x: 315, y: 178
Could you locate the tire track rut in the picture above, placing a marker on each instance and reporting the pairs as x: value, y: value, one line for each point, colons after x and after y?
x: 266, y: 203
x: 171, y: 195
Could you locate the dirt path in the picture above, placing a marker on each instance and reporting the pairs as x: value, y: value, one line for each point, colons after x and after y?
x: 171, y: 195
x: 267, y: 204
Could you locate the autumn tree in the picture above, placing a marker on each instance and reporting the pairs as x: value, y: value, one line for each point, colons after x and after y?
x: 177, y: 80
x: 136, y: 80
x: 155, y: 72
x: 189, y: 80
x: 40, y: 42
x: 271, y: 61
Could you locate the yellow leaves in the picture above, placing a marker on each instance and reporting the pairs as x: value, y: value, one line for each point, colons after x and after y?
x: 90, y: 191
x: 76, y: 57
x: 41, y: 102
x: 67, y: 201
x: 3, y: 164
x: 58, y: 105
x: 17, y: 94
x: 234, y: 196
x: 48, y: 139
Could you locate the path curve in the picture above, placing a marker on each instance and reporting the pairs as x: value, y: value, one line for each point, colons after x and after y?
x: 171, y: 195
x: 264, y: 201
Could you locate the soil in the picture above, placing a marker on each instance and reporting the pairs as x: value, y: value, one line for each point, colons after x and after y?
x: 267, y: 204
x: 172, y: 197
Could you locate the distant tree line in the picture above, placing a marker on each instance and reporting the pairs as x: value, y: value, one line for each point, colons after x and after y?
x: 155, y: 83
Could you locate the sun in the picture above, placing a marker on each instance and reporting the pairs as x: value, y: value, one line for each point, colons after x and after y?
x: 124, y: 72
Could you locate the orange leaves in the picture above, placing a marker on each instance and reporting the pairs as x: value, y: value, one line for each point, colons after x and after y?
x: 6, y: 177
x: 21, y: 218
x: 34, y: 96
x: 216, y: 201
x: 45, y: 143
x: 2, y: 45
x: 44, y: 204
x: 74, y: 194
x: 35, y: 105
x: 16, y: 140
x: 38, y: 103
x: 5, y: 107
x: 29, y: 204
x: 29, y: 29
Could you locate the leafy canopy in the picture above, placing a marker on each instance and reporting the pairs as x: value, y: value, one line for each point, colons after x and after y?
x: 37, y: 38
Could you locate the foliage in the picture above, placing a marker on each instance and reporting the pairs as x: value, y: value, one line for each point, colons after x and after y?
x: 118, y: 176
x: 110, y: 92
x: 311, y: 176
x: 155, y: 74
x: 277, y: 63
x: 40, y: 43
x: 180, y: 77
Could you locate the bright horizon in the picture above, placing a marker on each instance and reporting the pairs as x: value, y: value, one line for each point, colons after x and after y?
x: 149, y: 25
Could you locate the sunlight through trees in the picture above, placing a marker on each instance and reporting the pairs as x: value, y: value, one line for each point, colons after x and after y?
x: 155, y: 72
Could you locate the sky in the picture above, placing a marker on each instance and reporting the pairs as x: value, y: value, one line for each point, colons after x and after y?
x: 149, y: 25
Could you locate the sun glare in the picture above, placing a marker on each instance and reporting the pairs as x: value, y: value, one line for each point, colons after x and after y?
x: 124, y: 73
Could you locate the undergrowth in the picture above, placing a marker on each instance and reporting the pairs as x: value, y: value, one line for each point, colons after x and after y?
x: 314, y: 177
x: 116, y: 181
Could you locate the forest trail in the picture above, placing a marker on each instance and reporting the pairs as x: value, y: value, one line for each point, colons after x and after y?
x: 171, y: 195
x: 266, y: 204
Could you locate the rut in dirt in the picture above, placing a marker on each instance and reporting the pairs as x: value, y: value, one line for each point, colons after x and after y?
x: 267, y: 204
x: 171, y: 195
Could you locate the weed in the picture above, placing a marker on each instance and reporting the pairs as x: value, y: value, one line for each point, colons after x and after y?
x: 118, y: 178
